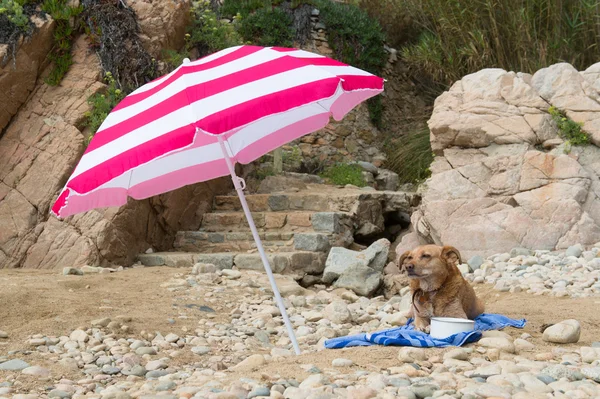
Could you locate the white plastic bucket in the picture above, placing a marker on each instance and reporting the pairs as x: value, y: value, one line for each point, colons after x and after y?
x: 443, y: 327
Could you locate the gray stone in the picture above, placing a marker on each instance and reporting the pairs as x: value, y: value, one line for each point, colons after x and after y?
x: 278, y: 202
x: 311, y: 242
x: 136, y: 370
x: 574, y: 250
x: 546, y: 379
x: 201, y: 350
x: 520, y: 251
x: 338, y: 312
x: 262, y: 337
x: 559, y: 371
x: 329, y: 222
x: 145, y: 350
x: 201, y: 268
x: 221, y: 261
x: 424, y: 390
x: 278, y: 262
x: 36, y: 371
x: 100, y: 322
x: 111, y: 370
x: 156, y: 373
x: 14, y: 365
x: 360, y: 279
x: 57, y: 393
x: 475, y: 262
x: 387, y: 180
x: 165, y: 386
x: 71, y: 271
x: 341, y: 362
x: 259, y: 391
x: 592, y: 373
x: 367, y: 167
x: 3, y: 335
x: 341, y: 260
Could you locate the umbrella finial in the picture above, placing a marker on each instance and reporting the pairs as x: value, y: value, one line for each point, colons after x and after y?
x: 186, y: 60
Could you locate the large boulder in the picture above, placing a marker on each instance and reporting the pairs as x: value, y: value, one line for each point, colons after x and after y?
x: 361, y: 271
x: 501, y: 179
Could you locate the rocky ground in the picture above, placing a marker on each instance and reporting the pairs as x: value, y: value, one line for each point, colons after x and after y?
x: 205, y: 333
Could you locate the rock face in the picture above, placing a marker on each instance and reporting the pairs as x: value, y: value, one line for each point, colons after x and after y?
x: 493, y: 187
x: 19, y: 71
x: 162, y: 23
x: 38, y: 151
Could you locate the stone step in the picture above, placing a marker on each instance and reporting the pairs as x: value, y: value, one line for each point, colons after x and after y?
x: 200, y: 241
x: 343, y: 200
x: 285, y: 262
x: 331, y: 222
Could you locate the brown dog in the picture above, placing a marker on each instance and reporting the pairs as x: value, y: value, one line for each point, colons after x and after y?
x: 437, y: 286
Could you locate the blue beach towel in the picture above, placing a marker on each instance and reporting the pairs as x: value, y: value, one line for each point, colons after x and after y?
x: 407, y: 336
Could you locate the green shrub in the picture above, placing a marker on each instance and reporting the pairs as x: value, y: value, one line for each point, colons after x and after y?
x: 208, y: 34
x: 102, y: 104
x: 64, y: 34
x: 14, y: 12
x: 568, y: 129
x: 230, y: 8
x: 463, y: 36
x: 342, y: 174
x: 410, y: 156
x: 173, y: 58
x: 358, y: 40
x: 267, y: 27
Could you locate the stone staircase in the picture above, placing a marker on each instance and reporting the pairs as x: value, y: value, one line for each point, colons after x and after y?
x: 297, y: 229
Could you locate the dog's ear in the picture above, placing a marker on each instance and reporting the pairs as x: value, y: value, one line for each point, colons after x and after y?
x: 401, y: 260
x: 451, y: 255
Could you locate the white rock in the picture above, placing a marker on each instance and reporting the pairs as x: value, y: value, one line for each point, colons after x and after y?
x: 589, y: 354
x: 341, y: 362
x: 79, y: 336
x: 36, y: 371
x: 251, y: 362
x: 171, y: 338
x: 500, y: 343
x: 523, y: 346
x: 565, y: 332
x: 338, y: 312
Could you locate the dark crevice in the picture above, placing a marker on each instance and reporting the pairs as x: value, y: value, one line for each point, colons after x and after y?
x: 395, y: 223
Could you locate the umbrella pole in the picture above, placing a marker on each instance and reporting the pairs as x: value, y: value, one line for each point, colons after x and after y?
x: 261, y: 251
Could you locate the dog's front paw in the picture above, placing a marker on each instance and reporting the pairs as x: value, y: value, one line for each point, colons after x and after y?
x: 424, y: 329
x: 422, y: 325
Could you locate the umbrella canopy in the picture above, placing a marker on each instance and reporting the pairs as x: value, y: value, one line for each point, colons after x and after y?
x: 165, y: 135
x: 193, y: 124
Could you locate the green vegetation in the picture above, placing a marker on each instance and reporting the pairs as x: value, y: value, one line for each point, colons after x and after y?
x: 267, y: 27
x: 358, y: 40
x: 568, y: 129
x: 342, y: 174
x: 64, y: 34
x: 13, y: 9
x: 246, y: 7
x: 102, y: 104
x: 207, y: 33
x: 449, y: 39
x: 410, y: 156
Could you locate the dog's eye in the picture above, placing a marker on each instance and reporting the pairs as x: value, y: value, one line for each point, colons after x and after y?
x: 409, y: 258
x: 426, y: 256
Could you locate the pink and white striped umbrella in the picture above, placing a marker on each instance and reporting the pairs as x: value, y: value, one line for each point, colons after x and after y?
x: 193, y: 124
x: 166, y: 134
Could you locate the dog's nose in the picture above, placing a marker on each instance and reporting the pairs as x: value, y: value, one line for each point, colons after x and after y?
x: 409, y: 266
